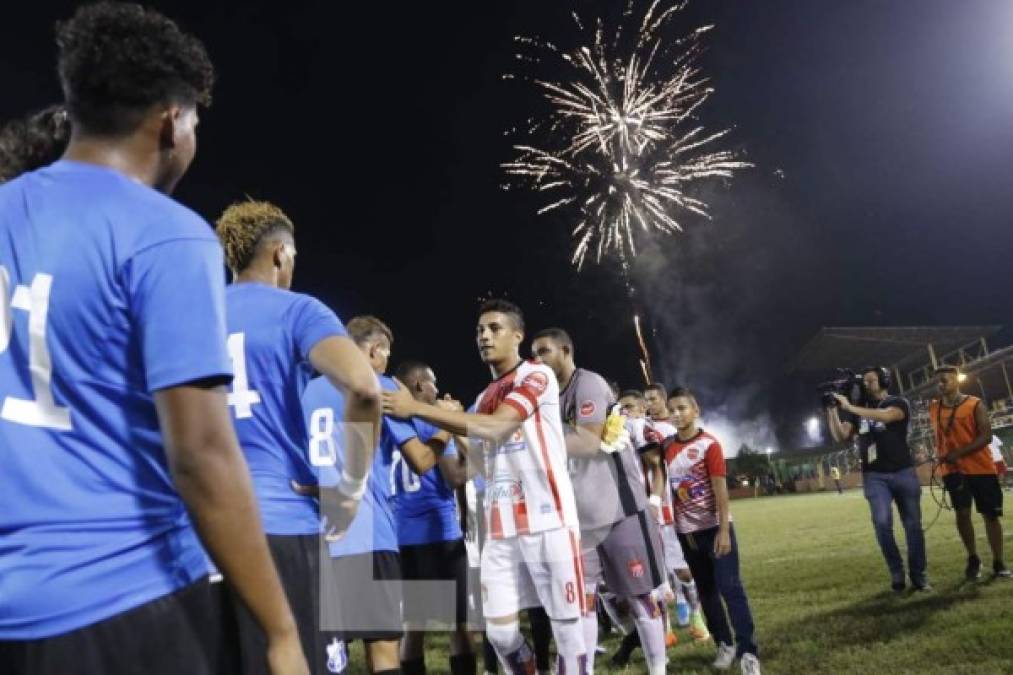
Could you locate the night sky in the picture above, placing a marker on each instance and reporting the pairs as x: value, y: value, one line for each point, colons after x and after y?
x: 882, y: 134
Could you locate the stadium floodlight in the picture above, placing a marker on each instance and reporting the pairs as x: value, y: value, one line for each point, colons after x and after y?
x: 812, y: 427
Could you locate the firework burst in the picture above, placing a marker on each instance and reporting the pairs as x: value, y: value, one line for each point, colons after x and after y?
x: 620, y: 143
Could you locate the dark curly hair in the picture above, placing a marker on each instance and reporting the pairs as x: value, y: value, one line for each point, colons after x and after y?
x: 33, y: 142
x: 118, y: 59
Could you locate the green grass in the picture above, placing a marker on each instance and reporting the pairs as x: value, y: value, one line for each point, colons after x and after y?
x: 820, y: 596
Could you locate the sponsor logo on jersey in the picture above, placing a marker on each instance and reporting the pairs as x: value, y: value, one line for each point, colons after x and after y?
x: 506, y: 489
x: 536, y: 382
x: 516, y: 442
x: 636, y: 568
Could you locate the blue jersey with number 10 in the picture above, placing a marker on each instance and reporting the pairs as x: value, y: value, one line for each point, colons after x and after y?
x: 425, y: 505
x: 109, y: 292
x: 271, y: 334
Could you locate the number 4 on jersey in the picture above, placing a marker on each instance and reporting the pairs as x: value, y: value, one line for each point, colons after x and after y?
x: 242, y: 398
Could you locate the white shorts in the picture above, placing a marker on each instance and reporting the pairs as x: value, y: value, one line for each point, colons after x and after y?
x: 674, y: 559
x: 531, y: 570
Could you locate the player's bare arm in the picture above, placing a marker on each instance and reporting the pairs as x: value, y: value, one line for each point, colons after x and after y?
x: 211, y: 475
x: 492, y: 427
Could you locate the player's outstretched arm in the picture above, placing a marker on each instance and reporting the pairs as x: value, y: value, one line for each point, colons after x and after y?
x: 344, y: 364
x: 495, y: 427
x: 211, y: 475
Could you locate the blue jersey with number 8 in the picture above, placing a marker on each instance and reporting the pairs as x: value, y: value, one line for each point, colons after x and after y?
x: 109, y: 292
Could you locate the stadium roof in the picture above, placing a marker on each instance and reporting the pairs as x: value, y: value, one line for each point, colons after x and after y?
x: 897, y: 346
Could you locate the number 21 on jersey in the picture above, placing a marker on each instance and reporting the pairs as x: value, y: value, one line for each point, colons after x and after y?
x: 41, y: 410
x: 241, y: 398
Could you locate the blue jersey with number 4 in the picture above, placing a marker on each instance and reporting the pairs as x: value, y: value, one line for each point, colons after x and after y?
x: 271, y: 334
x: 425, y: 505
x: 109, y: 292
x: 374, y: 527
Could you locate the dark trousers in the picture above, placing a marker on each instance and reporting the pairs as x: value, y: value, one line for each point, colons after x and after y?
x: 188, y: 631
x: 720, y: 587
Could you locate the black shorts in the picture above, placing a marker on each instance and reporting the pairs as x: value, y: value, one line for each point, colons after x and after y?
x: 984, y: 490
x: 426, y: 599
x: 182, y: 632
x: 297, y: 559
x: 362, y: 596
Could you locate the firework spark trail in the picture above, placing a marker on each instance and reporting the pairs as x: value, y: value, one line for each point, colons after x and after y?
x: 645, y: 360
x: 623, y: 149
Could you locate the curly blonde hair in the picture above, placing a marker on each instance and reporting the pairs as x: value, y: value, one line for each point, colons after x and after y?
x: 242, y: 226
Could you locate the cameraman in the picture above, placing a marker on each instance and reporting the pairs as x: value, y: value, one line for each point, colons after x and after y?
x: 887, y: 470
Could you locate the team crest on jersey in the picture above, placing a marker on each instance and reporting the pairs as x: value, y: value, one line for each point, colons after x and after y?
x: 693, y: 453
x: 536, y: 381
x: 636, y: 568
x: 337, y: 656
x: 587, y: 408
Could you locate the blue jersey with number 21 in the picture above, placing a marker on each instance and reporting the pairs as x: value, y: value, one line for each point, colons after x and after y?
x: 109, y: 292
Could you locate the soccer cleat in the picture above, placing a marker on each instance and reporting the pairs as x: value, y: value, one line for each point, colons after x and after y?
x: 671, y: 639
x: 725, y: 657
x: 698, y: 627
x: 682, y: 613
x: 973, y: 570
x: 1000, y: 571
x: 922, y: 587
x: 750, y: 664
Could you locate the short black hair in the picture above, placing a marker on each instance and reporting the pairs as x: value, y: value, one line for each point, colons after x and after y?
x: 945, y: 368
x: 632, y: 393
x: 119, y: 59
x: 33, y: 142
x: 558, y: 335
x: 656, y: 386
x: 406, y: 369
x: 504, y: 307
x: 682, y: 392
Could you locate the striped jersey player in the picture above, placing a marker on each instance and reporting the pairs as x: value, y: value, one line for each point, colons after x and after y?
x: 532, y: 554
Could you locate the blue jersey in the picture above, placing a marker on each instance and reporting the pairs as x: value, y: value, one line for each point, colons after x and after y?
x: 110, y: 291
x: 425, y: 505
x: 271, y: 333
x: 374, y: 527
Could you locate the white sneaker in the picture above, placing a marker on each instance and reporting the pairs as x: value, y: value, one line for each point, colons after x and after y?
x: 725, y: 657
x: 750, y: 664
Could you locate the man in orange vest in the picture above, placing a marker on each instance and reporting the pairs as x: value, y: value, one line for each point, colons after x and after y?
x: 962, y: 431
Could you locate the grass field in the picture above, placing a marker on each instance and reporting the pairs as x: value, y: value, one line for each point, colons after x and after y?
x: 821, y: 600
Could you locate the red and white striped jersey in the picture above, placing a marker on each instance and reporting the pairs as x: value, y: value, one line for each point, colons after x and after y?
x: 691, y: 464
x: 528, y: 488
x: 665, y: 430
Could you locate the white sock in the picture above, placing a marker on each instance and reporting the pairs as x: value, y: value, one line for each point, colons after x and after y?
x: 589, y: 624
x: 571, y: 653
x: 651, y: 628
x: 688, y: 589
x: 513, y: 651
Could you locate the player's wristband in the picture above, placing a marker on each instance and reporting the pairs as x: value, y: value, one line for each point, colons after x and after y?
x: 655, y: 501
x: 352, y: 487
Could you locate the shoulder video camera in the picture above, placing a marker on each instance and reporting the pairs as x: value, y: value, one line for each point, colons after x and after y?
x: 847, y: 383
